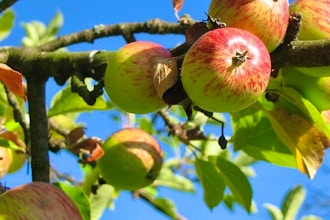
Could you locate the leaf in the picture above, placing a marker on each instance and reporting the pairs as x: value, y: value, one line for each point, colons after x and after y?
x: 6, y: 23
x: 78, y: 197
x: 66, y: 101
x: 236, y: 180
x: 292, y: 202
x: 250, y: 127
x: 102, y: 199
x: 212, y: 183
x: 166, y: 205
x: 274, y: 211
x: 302, y: 138
x: 17, y: 144
x: 311, y: 217
x: 177, y: 5
x: 13, y: 80
x: 169, y: 179
x: 54, y: 25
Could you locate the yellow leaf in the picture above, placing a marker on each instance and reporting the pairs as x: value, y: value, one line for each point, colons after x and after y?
x: 13, y: 80
x: 302, y: 138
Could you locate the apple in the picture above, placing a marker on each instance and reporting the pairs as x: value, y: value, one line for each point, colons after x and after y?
x: 37, y: 201
x: 5, y: 161
x: 226, y: 70
x: 18, y: 160
x: 267, y: 19
x: 315, y: 26
x: 315, y: 89
x: 132, y: 159
x: 129, y: 77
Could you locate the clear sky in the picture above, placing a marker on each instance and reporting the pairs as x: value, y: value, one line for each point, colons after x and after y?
x: 271, y: 182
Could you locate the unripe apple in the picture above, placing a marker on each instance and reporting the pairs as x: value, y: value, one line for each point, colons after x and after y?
x: 18, y: 160
x: 129, y: 77
x: 226, y: 70
x: 132, y: 159
x: 267, y: 19
x: 315, y: 26
x: 5, y: 161
x: 37, y: 201
x: 316, y: 90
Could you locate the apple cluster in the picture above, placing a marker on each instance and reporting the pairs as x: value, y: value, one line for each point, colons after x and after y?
x: 225, y: 70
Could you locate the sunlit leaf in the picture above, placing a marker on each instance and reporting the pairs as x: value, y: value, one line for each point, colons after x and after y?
x: 13, y: 80
x: 274, y: 211
x: 251, y: 127
x: 211, y: 180
x: 78, y: 197
x: 167, y: 206
x: 301, y: 137
x: 169, y: 179
x: 292, y: 202
x: 55, y: 24
x: 65, y: 101
x: 233, y: 177
x: 6, y: 23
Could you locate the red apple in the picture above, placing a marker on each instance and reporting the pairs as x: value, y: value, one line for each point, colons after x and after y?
x: 129, y: 77
x: 267, y: 19
x: 37, y: 201
x: 132, y: 159
x: 226, y: 70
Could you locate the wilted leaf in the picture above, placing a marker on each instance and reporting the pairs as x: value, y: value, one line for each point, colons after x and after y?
x: 302, y: 138
x: 292, y: 202
x: 13, y: 80
x: 75, y: 135
x: 235, y: 179
x: 6, y: 23
x: 78, y: 197
x: 11, y: 136
x: 177, y: 5
x: 90, y: 147
x: 211, y: 180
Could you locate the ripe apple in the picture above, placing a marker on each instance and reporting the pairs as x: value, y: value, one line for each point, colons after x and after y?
x: 226, y: 70
x: 267, y: 19
x: 5, y: 161
x: 315, y: 89
x: 132, y: 159
x: 129, y: 77
x: 315, y: 26
x: 37, y: 201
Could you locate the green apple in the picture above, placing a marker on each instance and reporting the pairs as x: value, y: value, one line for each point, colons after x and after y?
x: 267, y: 19
x: 315, y: 26
x: 132, y: 159
x: 129, y: 77
x: 18, y: 159
x: 315, y: 89
x: 37, y: 201
x: 226, y: 70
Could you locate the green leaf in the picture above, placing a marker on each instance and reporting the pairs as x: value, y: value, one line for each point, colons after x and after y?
x: 33, y: 31
x: 250, y: 127
x: 54, y: 25
x: 6, y: 23
x: 310, y: 111
x: 311, y: 217
x: 101, y: 200
x: 236, y: 180
x: 274, y: 211
x: 292, y: 202
x: 211, y: 181
x: 167, y: 206
x: 65, y: 101
x: 169, y: 179
x: 78, y: 197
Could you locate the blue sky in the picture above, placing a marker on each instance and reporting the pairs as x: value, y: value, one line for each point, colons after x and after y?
x: 271, y: 182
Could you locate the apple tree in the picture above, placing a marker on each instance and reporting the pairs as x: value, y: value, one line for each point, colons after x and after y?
x: 259, y: 68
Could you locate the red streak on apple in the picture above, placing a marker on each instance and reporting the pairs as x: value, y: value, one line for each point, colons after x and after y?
x: 213, y: 78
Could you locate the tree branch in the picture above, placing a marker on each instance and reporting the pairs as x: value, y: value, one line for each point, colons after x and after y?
x: 4, y: 4
x: 155, y: 26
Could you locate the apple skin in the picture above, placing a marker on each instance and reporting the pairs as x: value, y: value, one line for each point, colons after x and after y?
x: 18, y: 160
x: 315, y: 26
x: 132, y: 159
x: 37, y: 201
x: 5, y: 161
x: 316, y: 90
x: 214, y: 82
x: 129, y: 77
x: 267, y: 19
